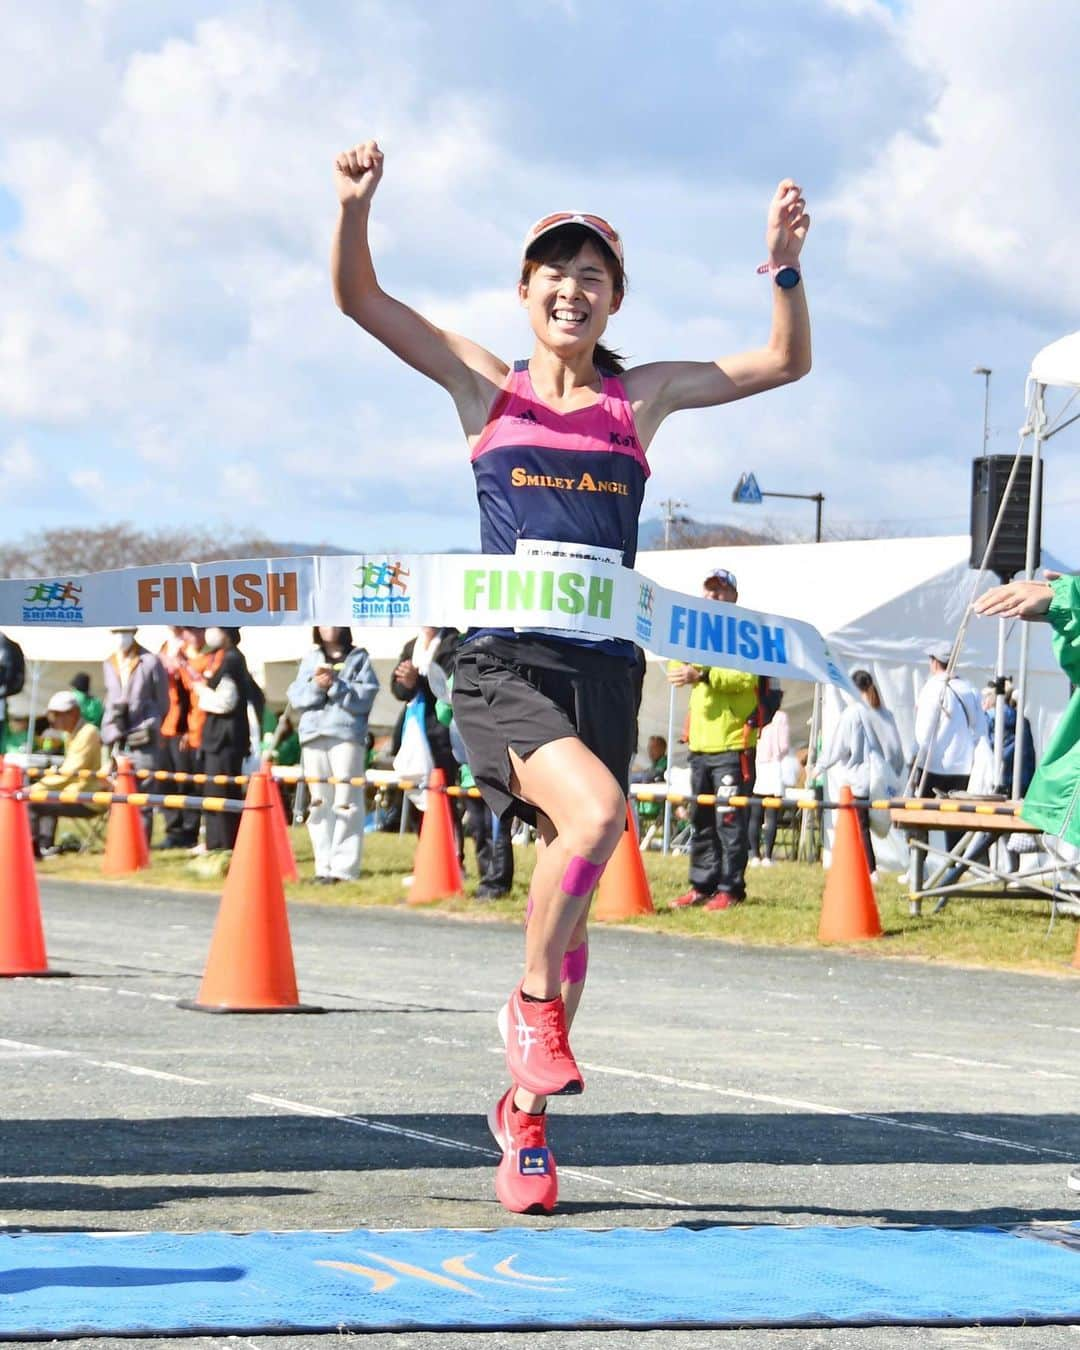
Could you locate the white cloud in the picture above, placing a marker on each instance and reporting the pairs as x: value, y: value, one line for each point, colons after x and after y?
x: 89, y: 482
x: 983, y: 188
x: 242, y: 484
x: 19, y: 466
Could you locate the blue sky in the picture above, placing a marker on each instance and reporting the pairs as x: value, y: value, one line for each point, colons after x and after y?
x: 169, y: 351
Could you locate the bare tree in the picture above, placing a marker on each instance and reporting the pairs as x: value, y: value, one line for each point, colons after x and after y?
x: 66, y: 552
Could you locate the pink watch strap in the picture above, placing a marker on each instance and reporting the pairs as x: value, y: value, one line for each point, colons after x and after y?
x: 773, y: 268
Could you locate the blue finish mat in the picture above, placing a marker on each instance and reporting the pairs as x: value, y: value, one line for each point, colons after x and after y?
x: 65, y: 1284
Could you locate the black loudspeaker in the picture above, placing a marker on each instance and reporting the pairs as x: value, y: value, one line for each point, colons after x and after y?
x: 989, y: 475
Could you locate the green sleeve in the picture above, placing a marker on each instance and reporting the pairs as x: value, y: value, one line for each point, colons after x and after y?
x: 732, y: 681
x: 1064, y: 617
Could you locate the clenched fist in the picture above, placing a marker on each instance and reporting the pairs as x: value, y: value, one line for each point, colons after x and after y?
x: 357, y: 172
x: 785, y: 233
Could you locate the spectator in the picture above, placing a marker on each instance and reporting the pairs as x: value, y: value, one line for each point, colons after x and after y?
x: 865, y: 738
x: 12, y: 675
x: 192, y: 661
x: 333, y: 692
x: 221, y: 692
x: 773, y: 748
x: 1008, y: 722
x: 174, y: 751
x: 948, y: 724
x: 722, y: 739
x: 136, y: 701
x: 91, y: 708
x: 280, y: 739
x: 946, y: 739
x: 82, y: 755
x: 16, y: 737
x: 1051, y: 799
x: 656, y: 772
x: 410, y: 680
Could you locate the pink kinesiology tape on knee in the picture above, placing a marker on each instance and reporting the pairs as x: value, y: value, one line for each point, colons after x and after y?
x: 575, y: 964
x: 580, y: 877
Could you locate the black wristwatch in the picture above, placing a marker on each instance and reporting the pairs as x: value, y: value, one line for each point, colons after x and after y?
x: 787, y: 278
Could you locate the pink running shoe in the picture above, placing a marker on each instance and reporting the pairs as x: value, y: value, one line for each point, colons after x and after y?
x: 538, y: 1052
x: 526, y: 1181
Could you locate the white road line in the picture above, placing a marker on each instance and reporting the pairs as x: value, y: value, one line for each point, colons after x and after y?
x: 128, y: 993
x: 141, y: 1072
x: 959, y: 1059
x: 136, y: 1069
x: 821, y: 1108
x: 443, y: 1141
x: 899, y: 1051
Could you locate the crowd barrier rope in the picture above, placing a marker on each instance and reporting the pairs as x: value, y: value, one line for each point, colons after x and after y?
x: 639, y: 792
x: 170, y: 801
x: 548, y: 585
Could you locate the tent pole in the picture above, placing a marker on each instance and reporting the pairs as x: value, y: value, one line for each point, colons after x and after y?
x: 803, y: 849
x: 35, y: 681
x: 1031, y: 564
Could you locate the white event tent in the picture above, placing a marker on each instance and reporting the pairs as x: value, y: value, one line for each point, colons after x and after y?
x: 881, y: 604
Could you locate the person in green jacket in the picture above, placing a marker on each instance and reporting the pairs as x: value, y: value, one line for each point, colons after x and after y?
x: 1053, y: 800
x: 92, y: 708
x: 722, y: 742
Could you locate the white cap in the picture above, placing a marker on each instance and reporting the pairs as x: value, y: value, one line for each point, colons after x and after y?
x: 62, y: 701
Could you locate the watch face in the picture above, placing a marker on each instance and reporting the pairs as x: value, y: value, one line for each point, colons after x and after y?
x: 787, y: 277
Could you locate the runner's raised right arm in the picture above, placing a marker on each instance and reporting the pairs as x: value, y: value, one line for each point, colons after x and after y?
x: 470, y: 374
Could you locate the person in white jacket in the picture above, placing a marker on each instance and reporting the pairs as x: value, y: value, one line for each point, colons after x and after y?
x: 865, y: 744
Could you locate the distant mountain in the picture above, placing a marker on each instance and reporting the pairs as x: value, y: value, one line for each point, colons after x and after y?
x: 700, y: 534
x: 287, y: 549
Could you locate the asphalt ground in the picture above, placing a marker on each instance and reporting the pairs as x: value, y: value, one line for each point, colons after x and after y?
x: 726, y: 1085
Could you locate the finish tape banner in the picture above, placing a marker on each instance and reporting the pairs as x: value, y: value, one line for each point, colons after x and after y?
x: 559, y: 589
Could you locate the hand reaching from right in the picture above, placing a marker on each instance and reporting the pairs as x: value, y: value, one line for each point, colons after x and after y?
x: 357, y: 172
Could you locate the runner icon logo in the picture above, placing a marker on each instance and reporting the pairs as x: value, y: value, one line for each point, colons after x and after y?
x: 643, y: 623
x: 53, y: 602
x: 374, y: 587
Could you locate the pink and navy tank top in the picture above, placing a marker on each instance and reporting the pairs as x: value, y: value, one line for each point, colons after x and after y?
x: 578, y: 477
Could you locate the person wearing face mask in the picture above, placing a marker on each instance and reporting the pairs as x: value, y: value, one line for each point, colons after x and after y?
x: 333, y: 692
x: 136, y: 701
x: 222, y: 690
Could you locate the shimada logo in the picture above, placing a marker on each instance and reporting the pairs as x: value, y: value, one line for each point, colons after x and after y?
x: 645, y: 603
x: 53, y: 602
x: 381, y: 591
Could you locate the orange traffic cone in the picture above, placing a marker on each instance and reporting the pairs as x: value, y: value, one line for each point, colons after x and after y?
x: 624, y: 887
x: 126, y: 847
x: 282, y: 843
x: 849, y: 912
x: 436, y: 870
x: 22, y: 938
x: 250, y: 966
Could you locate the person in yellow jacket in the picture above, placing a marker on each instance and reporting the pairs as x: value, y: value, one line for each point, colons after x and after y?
x: 723, y: 704
x: 82, y: 753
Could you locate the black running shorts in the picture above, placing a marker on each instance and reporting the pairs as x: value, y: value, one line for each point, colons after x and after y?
x: 523, y: 692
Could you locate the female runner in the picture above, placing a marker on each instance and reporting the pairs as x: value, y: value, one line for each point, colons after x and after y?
x: 549, y: 719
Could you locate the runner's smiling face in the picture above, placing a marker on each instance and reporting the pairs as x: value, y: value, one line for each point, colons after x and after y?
x: 569, y: 302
